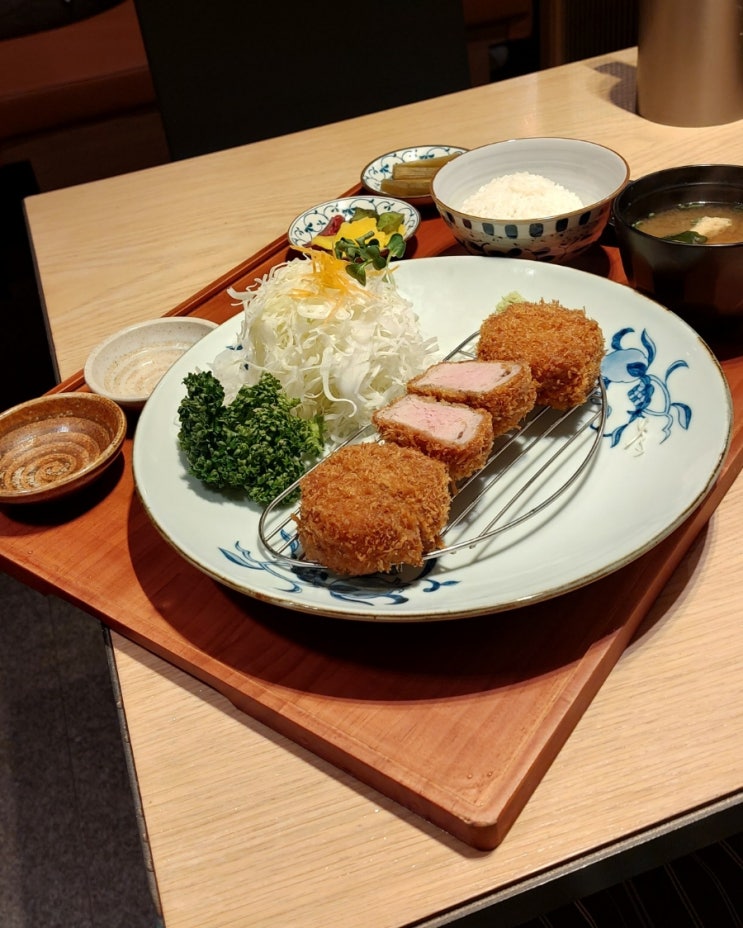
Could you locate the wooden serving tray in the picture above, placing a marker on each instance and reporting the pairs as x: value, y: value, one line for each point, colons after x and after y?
x: 456, y: 720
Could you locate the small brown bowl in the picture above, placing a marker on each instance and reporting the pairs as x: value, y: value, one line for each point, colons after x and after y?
x: 55, y: 444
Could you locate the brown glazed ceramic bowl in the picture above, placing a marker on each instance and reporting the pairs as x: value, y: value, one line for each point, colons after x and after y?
x: 57, y: 443
x: 701, y: 283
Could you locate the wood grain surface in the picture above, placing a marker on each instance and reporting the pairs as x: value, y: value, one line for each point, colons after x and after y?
x: 245, y: 827
x: 457, y: 721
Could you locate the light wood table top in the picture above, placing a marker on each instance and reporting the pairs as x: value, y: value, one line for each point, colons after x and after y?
x: 247, y: 828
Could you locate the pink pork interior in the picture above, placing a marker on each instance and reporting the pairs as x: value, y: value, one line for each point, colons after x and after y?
x: 472, y: 376
x: 449, y: 423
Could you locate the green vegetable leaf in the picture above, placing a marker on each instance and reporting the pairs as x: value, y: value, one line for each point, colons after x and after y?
x: 365, y: 251
x: 256, y: 444
x: 389, y: 222
x: 358, y: 272
x: 360, y: 213
x: 396, y: 246
x: 688, y: 237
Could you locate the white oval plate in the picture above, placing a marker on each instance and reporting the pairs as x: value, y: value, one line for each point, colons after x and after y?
x: 666, y: 437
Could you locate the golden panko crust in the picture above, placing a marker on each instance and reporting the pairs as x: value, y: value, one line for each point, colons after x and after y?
x: 563, y: 347
x: 371, y: 507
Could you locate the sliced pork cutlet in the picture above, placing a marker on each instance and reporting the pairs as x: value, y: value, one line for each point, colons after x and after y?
x: 457, y: 435
x: 563, y: 347
x: 370, y: 507
x: 506, y: 389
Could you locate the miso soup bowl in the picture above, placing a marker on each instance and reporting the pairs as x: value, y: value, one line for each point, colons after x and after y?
x: 701, y: 283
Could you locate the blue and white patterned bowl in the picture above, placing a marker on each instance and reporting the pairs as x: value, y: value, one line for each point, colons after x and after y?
x: 596, y: 174
x: 382, y: 168
x: 312, y: 221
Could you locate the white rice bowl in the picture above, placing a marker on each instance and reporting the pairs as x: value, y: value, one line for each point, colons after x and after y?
x: 588, y: 171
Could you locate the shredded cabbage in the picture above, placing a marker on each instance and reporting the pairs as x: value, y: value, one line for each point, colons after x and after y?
x: 341, y: 348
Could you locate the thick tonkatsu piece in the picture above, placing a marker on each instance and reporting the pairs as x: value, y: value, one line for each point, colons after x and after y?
x: 563, y: 347
x: 506, y: 389
x: 458, y: 435
x: 371, y: 507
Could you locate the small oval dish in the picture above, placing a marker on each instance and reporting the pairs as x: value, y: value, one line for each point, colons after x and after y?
x: 57, y: 443
x: 382, y: 168
x: 126, y: 366
x: 314, y: 220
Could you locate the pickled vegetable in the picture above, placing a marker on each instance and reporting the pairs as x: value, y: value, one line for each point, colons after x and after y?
x: 367, y: 240
x: 363, y: 224
x: 420, y: 187
x: 413, y: 178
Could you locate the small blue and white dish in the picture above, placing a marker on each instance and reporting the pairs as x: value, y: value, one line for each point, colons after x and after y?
x: 382, y: 168
x: 312, y: 221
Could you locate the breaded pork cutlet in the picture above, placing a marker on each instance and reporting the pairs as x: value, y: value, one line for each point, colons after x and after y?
x: 371, y: 507
x: 457, y: 435
x: 563, y: 347
x: 506, y: 389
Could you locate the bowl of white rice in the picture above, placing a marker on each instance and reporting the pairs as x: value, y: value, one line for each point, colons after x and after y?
x: 547, y: 199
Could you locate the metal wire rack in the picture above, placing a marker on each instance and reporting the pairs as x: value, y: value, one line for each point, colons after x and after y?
x: 528, y: 470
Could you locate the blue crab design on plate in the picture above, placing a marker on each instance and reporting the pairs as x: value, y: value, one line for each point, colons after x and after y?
x: 640, y: 400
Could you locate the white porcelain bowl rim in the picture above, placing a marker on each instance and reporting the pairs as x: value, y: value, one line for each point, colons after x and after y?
x: 448, y: 171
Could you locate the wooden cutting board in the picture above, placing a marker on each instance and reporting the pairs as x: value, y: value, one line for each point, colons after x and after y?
x: 456, y: 720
